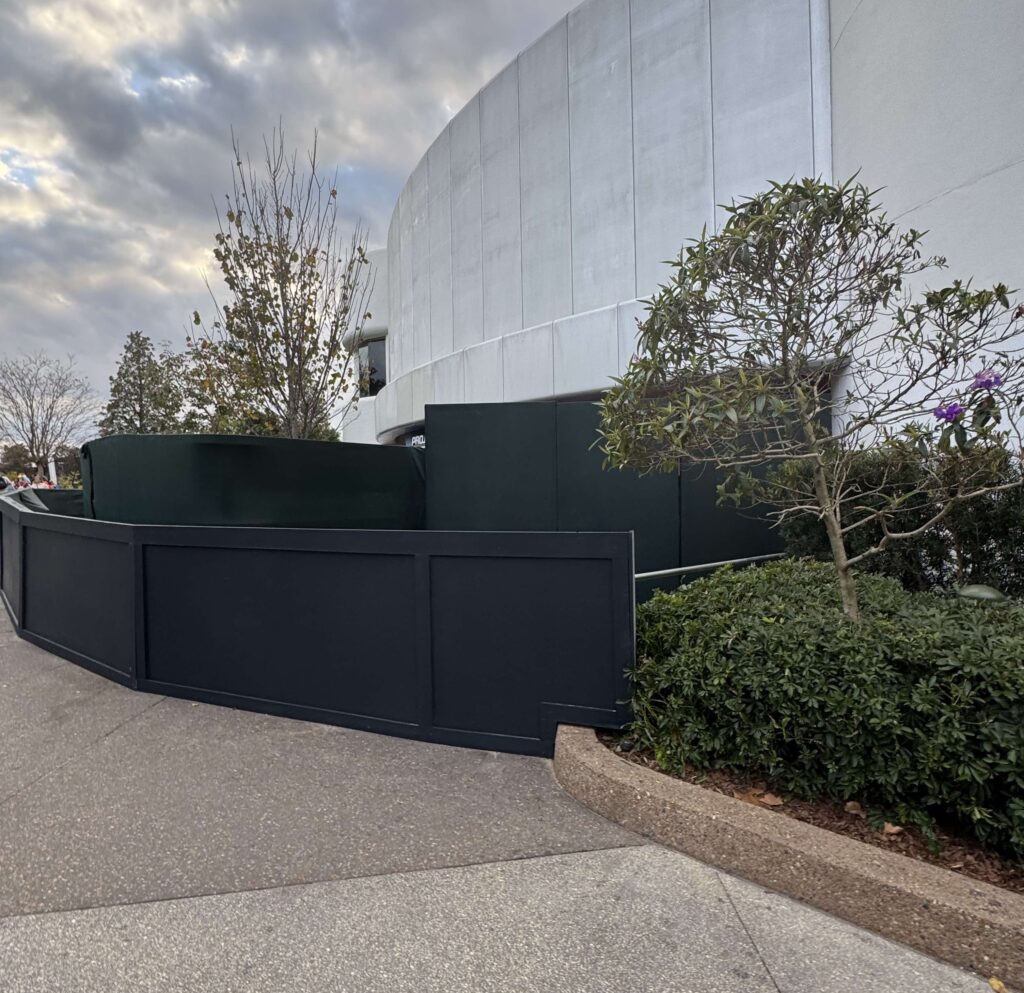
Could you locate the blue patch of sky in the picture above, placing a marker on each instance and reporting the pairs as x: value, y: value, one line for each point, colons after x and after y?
x: 15, y: 171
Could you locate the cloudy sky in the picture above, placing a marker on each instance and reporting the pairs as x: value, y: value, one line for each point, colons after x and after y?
x: 115, y: 120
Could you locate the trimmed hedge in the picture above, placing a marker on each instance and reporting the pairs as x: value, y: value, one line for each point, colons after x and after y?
x: 917, y: 710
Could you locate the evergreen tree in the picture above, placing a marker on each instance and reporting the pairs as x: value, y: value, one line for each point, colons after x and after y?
x: 146, y: 392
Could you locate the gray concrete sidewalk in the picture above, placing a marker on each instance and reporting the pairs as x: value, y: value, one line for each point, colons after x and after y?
x: 155, y: 844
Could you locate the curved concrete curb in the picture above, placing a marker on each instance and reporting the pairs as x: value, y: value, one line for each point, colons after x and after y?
x: 971, y: 924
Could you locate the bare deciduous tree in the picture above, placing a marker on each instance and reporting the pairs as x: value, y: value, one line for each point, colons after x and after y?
x: 275, y: 358
x: 45, y: 405
x: 792, y: 335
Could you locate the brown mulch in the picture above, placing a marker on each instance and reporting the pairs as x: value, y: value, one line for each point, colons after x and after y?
x: 955, y: 851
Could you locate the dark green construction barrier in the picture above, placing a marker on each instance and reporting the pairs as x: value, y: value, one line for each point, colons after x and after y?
x: 65, y: 502
x: 223, y: 480
x: 538, y: 467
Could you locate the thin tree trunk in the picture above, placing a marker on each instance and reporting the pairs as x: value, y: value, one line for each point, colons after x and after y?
x: 847, y: 586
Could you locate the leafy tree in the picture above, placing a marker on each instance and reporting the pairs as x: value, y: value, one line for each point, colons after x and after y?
x: 274, y: 360
x: 44, y: 405
x: 147, y: 391
x: 793, y: 334
x: 15, y: 460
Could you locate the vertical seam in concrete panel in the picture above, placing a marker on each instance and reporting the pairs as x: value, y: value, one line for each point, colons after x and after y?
x: 632, y: 139
x: 568, y: 145
x: 810, y: 87
x: 430, y: 274
x: 451, y: 235
x: 519, y: 180
x: 820, y: 24
x: 480, y: 171
x: 711, y: 97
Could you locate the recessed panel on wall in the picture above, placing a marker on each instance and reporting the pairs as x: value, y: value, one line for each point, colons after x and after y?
x: 500, y: 218
x: 78, y: 593
x: 761, y: 59
x: 517, y: 639
x: 439, y: 211
x: 220, y: 620
x: 673, y: 168
x: 544, y: 178
x: 421, y: 264
x: 467, y: 280
x: 601, y: 154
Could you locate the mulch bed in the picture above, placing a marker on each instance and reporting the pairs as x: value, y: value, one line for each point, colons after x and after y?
x: 955, y: 852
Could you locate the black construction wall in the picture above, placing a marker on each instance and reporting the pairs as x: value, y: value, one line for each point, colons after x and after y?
x: 536, y: 467
x: 254, y: 482
x: 476, y: 639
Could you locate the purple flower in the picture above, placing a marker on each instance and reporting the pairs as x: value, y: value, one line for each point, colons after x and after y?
x: 950, y: 412
x: 988, y: 379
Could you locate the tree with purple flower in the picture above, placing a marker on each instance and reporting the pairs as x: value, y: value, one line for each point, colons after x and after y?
x: 950, y: 412
x: 793, y: 334
x: 988, y: 379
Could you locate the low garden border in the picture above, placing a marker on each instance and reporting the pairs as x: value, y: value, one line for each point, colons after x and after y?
x: 963, y: 921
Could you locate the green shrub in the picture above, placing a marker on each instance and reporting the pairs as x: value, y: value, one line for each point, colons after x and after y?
x: 981, y: 541
x: 917, y: 710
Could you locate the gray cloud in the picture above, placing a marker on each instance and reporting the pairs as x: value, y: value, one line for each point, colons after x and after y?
x: 114, y: 136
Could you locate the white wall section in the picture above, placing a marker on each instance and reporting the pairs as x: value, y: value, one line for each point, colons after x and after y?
x: 551, y: 202
x: 500, y: 221
x: 926, y: 102
x: 544, y: 177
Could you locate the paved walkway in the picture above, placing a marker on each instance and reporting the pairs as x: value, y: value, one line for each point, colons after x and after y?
x: 154, y: 844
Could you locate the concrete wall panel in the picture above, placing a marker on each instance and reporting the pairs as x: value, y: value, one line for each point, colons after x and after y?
x: 404, y: 357
x: 544, y: 177
x: 439, y: 226
x: 672, y: 153
x: 626, y: 317
x: 527, y: 364
x: 500, y: 217
x: 585, y: 351
x: 422, y: 390
x: 394, y: 291
x: 601, y: 154
x: 450, y: 379
x: 761, y: 68
x: 467, y: 277
x: 420, y: 272
x: 926, y: 103
x: 483, y: 371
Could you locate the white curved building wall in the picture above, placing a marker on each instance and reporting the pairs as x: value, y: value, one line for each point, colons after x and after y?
x: 927, y: 102
x: 524, y: 238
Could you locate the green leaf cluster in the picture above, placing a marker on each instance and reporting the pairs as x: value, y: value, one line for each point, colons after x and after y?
x: 916, y: 712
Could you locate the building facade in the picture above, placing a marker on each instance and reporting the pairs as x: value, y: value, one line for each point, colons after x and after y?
x: 524, y: 242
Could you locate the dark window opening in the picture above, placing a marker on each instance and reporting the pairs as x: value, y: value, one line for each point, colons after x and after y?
x: 372, y: 368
